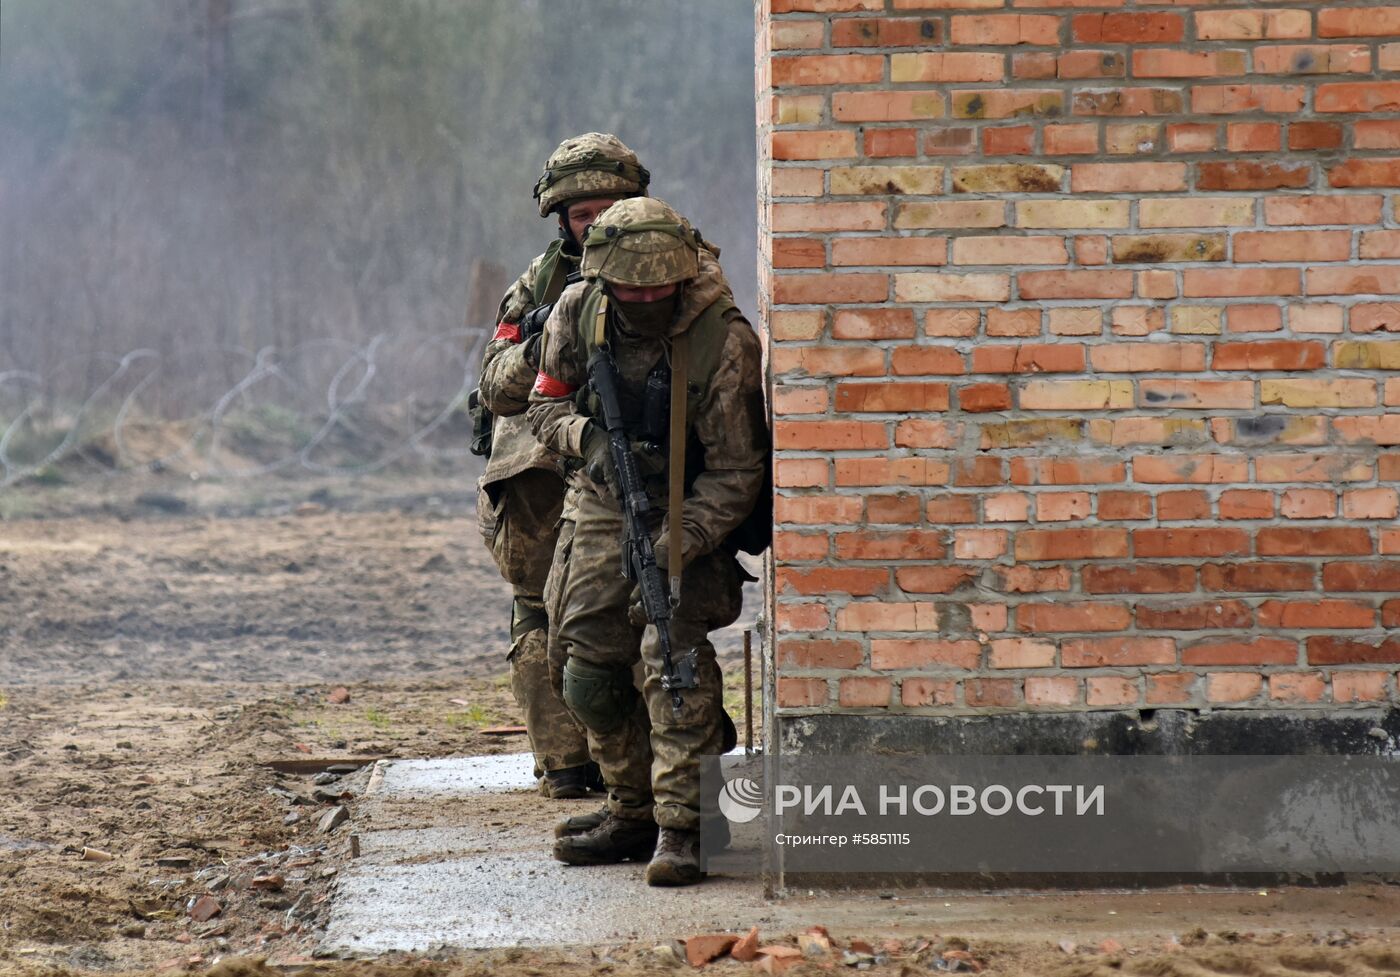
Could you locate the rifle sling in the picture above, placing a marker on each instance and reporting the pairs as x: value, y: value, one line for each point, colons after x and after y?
x: 680, y: 356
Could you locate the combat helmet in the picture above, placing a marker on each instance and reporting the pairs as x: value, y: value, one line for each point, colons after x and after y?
x: 595, y: 164
x: 641, y: 241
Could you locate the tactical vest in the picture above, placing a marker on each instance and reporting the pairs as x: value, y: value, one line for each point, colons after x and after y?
x: 707, y: 337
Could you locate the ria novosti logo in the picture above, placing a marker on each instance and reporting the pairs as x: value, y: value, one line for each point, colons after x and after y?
x: 741, y: 800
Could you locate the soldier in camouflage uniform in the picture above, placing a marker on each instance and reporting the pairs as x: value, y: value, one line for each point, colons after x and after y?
x: 521, y: 494
x: 653, y: 279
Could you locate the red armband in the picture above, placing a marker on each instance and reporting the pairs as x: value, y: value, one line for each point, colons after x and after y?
x: 507, y: 330
x: 547, y: 386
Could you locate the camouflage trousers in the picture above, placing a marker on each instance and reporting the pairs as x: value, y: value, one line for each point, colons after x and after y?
x: 651, y: 764
x: 524, y: 525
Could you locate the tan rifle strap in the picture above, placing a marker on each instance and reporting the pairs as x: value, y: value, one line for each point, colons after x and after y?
x: 680, y: 357
x: 600, y: 323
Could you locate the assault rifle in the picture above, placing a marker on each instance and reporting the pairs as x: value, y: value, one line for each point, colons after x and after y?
x: 638, y: 556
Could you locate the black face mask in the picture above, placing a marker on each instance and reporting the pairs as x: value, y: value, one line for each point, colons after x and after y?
x: 648, y: 318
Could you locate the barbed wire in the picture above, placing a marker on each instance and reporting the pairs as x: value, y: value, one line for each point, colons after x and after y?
x: 327, y: 406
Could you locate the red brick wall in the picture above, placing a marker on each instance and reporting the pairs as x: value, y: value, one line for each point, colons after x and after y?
x: 1085, y: 372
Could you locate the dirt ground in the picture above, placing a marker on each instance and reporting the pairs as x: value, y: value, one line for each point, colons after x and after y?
x: 160, y: 648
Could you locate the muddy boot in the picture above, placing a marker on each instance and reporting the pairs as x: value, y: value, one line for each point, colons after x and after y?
x: 581, y: 824
x: 615, y: 840
x: 567, y: 784
x: 677, y: 859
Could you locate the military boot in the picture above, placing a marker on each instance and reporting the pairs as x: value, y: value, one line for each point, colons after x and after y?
x: 571, y: 783
x: 677, y: 859
x: 581, y: 824
x: 614, y: 840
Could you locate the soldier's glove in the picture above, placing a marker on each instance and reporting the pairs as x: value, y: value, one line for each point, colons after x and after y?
x: 636, y: 613
x: 532, y: 323
x: 597, y: 459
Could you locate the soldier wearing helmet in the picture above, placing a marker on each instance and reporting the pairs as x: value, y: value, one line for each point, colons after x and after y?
x: 655, y: 300
x: 521, y: 495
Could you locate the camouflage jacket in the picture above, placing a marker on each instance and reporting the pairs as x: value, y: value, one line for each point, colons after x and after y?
x: 506, y: 379
x: 729, y: 423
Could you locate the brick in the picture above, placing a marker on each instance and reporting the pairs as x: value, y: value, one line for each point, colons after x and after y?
x: 1076, y: 322
x: 822, y: 289
x: 1128, y: 28
x: 1322, y: 210
x: 1008, y: 178
x: 1194, y: 617
x: 890, y: 397
x: 819, y: 653
x: 798, y: 182
x: 1170, y: 689
x: 881, y: 143
x: 835, y: 435
x: 1072, y: 213
x: 1062, y: 506
x: 1359, y: 686
x: 798, y: 110
x: 827, y: 69
x: 1046, y: 690
x: 1117, y: 652
x: 1172, y: 63
x: 1090, y: 64
x: 801, y: 473
x: 795, y: 547
x: 1066, y: 471
x: 887, y: 616
x: 1248, y: 175
x: 853, y: 180
x: 1147, y: 357
x: 1253, y: 137
x: 1028, y: 358
x: 1271, y: 355
x: 1136, y: 320
x: 1022, y: 433
x: 947, y: 66
x: 923, y: 433
x: 918, y: 691
x: 1032, y: 580
x: 796, y: 325
x: 787, y: 35
x: 1004, y: 29
x: 1311, y: 468
x: 1255, y: 651
x: 824, y: 6
x: 1312, y: 59
x: 911, y: 544
x: 828, y: 361
x: 951, y: 214
x: 1358, y: 577
x: 1199, y: 212
x: 1127, y: 101
x: 814, y: 582
x: 803, y: 617
x: 1298, y: 687
x: 950, y: 141
x: 1110, y: 690
x: 980, y: 398
x: 1153, y: 248
x: 1374, y: 503
x: 1186, y: 504
x: 1376, y: 134
x: 1075, y: 284
x: 1365, y: 173
x: 800, y: 400
x: 1071, y: 544
x: 923, y: 653
x: 885, y: 106
x: 1006, y: 507
x: 951, y: 322
x: 1077, y: 395
x: 1233, y: 686
x: 885, y: 32
x: 1326, y: 650
x: 1305, y: 615
x: 1237, y: 99
x: 917, y: 287
x: 900, y: 508
x: 1013, y: 322
x: 1368, y: 430
x: 1007, y: 104
x: 898, y: 251
x: 1378, y: 244
x: 817, y: 509
x: 1303, y: 136
x: 1358, y: 21
x: 1197, y: 320
x: 800, y: 693
x: 1125, y: 506
x: 1070, y: 140
x: 1139, y: 579
x: 837, y: 144
x: 1308, y: 504
x: 979, y: 544
x: 1258, y: 577
x: 1254, y: 318
x: 1177, y: 542
x: 1366, y: 356
x: 1038, y: 65
x: 864, y: 692
x: 992, y: 692
x: 1246, y: 504
x: 1297, y: 541
x: 852, y: 216
x: 1004, y: 249
x: 1127, y: 177
x: 934, y: 580
x: 952, y: 509
x: 873, y: 324
x: 1252, y: 25
x: 1239, y: 282
x: 891, y: 471
x: 1193, y: 137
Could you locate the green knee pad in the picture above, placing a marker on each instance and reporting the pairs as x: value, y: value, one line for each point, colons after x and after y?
x: 601, y: 697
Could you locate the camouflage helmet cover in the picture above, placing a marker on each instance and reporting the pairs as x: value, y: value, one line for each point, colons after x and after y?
x: 641, y: 241
x: 595, y: 164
